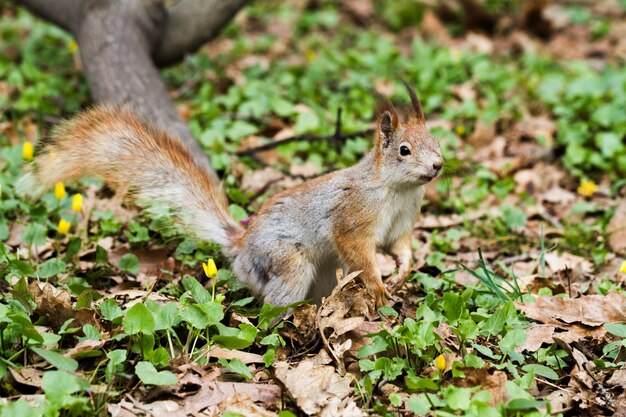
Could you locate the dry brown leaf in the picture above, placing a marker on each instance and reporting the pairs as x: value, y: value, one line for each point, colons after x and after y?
x: 590, y: 310
x: 243, y: 405
x: 151, y: 260
x: 617, y: 228
x: 361, y: 9
x: 27, y: 375
x: 560, y: 261
x: 343, y: 310
x: 245, y: 357
x: 494, y: 382
x: 303, y: 326
x: 256, y: 182
x: 84, y: 346
x: 199, y: 394
x: 306, y: 170
x: 129, y: 298
x: 618, y: 378
x: 56, y: 306
x: 538, y: 334
x: 312, y: 386
x: 483, y: 134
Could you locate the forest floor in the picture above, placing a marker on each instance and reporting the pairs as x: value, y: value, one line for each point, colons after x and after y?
x: 516, y: 305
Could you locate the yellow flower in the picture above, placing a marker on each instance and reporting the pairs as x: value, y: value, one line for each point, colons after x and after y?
x: 440, y: 362
x: 73, y: 47
x: 623, y: 267
x: 77, y: 202
x: 63, y: 227
x: 460, y: 130
x: 311, y: 55
x: 59, y: 190
x: 27, y: 151
x: 209, y: 268
x: 587, y: 188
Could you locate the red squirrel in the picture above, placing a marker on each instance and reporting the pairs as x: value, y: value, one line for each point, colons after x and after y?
x: 292, y: 247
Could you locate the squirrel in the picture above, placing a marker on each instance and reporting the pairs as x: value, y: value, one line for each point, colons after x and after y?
x: 299, y: 237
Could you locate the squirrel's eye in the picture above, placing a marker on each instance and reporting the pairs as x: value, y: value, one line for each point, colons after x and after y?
x: 404, y: 151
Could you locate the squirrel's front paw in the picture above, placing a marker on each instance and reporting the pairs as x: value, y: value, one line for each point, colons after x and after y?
x: 379, y: 292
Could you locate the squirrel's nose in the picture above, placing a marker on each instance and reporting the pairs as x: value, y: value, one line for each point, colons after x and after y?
x: 438, y: 165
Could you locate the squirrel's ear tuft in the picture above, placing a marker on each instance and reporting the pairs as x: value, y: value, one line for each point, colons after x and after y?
x: 387, y: 125
x: 417, y: 107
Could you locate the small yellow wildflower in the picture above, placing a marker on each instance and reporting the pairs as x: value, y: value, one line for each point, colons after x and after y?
x: 623, y: 267
x: 77, y: 202
x: 440, y: 362
x: 63, y: 227
x: 587, y: 188
x: 73, y: 47
x: 27, y: 151
x: 460, y: 130
x: 209, y: 268
x: 59, y: 191
x: 311, y: 55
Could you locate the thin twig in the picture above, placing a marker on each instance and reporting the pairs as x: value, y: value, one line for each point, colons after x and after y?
x: 303, y: 138
x: 308, y: 138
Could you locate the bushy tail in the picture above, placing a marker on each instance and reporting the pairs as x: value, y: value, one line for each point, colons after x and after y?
x: 155, y: 168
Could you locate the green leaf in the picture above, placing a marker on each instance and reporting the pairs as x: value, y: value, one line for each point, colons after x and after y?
x: 56, y: 359
x: 240, y: 129
x: 236, y: 338
x: 238, y: 212
x: 618, y: 329
x: 202, y: 315
x: 268, y: 314
x: 110, y: 310
x: 306, y: 122
x: 24, y: 326
x: 51, y: 268
x: 512, y: 339
x: 495, y: 323
x: 59, y: 386
x: 459, y: 398
x: 91, y: 332
x: 139, y: 319
x: 115, y: 365
x: 198, y: 292
x: 609, y: 144
x: 513, y: 217
x: 159, y: 357
x: 473, y: 361
x: 236, y: 366
x: 268, y: 357
x: 541, y: 370
x: 148, y: 374
x: 419, y: 404
x: 453, y: 306
x: 129, y: 263
x: 378, y: 345
x: 34, y: 234
x: 167, y: 316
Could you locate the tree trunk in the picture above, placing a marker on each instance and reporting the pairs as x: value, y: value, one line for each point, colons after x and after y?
x: 120, y: 41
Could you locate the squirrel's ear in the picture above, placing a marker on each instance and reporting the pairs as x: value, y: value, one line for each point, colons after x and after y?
x: 417, y: 107
x: 387, y: 125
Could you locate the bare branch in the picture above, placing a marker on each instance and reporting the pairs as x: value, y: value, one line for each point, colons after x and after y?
x: 192, y: 23
x: 64, y: 13
x: 304, y: 138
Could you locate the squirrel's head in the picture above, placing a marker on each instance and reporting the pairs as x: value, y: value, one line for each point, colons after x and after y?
x: 406, y: 151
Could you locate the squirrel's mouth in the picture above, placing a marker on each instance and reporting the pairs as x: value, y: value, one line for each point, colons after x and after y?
x: 430, y: 177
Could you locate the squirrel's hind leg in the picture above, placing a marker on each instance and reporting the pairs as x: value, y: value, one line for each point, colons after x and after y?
x: 289, y: 283
x: 281, y: 277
